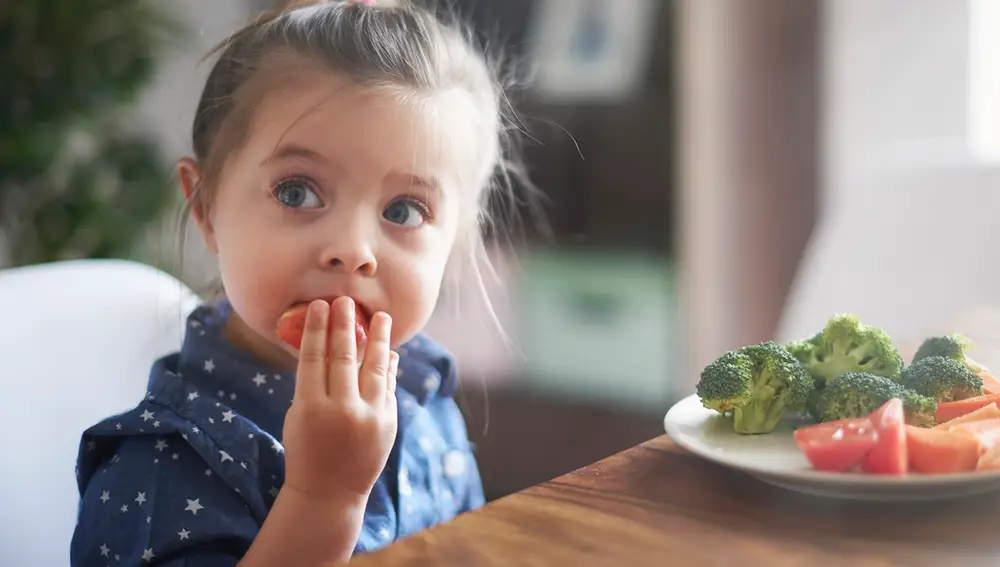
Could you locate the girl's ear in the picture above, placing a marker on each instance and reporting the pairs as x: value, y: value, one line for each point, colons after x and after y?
x: 190, y: 178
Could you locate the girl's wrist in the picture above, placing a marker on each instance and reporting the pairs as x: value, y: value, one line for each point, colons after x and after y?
x: 342, y: 503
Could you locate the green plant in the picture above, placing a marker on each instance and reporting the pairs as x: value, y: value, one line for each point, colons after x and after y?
x: 77, y: 179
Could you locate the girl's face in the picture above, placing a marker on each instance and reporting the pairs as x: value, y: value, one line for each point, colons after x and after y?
x: 338, y: 190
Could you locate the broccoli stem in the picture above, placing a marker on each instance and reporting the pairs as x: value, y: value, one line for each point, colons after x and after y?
x: 763, y: 412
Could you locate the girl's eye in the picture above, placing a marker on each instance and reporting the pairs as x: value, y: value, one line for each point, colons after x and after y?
x: 406, y: 212
x: 296, y: 194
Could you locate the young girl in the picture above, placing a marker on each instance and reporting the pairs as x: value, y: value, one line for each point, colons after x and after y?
x: 342, y: 154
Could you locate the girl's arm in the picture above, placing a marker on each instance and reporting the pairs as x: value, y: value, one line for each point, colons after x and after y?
x: 308, y: 531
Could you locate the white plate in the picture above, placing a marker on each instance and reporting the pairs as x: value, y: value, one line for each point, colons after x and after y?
x: 775, y: 459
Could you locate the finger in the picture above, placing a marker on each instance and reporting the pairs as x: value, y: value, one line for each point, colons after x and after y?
x: 390, y: 379
x: 342, y: 370
x: 372, y: 378
x: 310, y: 378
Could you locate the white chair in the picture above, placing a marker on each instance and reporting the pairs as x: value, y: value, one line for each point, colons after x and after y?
x: 76, y: 343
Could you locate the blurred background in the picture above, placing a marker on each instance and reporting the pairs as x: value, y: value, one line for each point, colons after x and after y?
x: 718, y: 172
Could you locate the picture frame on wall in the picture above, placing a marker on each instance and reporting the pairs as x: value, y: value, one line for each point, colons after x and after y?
x: 591, y: 50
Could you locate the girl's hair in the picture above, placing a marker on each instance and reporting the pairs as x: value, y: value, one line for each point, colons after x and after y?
x: 404, y: 49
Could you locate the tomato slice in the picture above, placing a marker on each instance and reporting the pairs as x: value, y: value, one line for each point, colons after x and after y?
x: 889, y: 456
x: 837, y: 446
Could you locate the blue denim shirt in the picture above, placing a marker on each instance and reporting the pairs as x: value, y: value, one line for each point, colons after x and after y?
x: 188, y: 476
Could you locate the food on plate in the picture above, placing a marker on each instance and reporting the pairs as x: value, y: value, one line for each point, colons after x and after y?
x: 986, y: 432
x: 292, y: 323
x: 950, y: 410
x: 944, y: 379
x: 755, y: 385
x: 941, y: 451
x: 871, y: 413
x: 837, y: 446
x: 990, y: 411
x: 858, y: 394
x: 954, y: 346
x: 990, y: 383
x: 889, y: 456
x: 990, y: 460
x: 883, y: 444
x: 847, y: 345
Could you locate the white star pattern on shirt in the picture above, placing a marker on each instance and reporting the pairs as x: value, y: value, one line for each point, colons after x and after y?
x: 147, y: 415
x: 192, y: 396
x: 259, y: 379
x: 277, y: 447
x: 384, y: 533
x: 208, y: 472
x: 148, y: 555
x: 211, y: 420
x: 175, y: 456
x: 105, y: 550
x: 156, y: 423
x: 193, y: 506
x: 404, y: 483
x: 431, y: 382
x: 141, y: 498
x: 270, y: 390
x: 161, y: 445
x: 184, y: 533
x: 91, y: 445
x: 195, y: 429
x: 105, y: 496
x: 273, y: 492
x: 221, y: 394
x: 118, y: 557
x: 124, y: 508
x: 227, y: 416
x: 225, y: 456
x: 232, y: 396
x: 209, y: 365
x: 118, y: 426
x: 277, y: 377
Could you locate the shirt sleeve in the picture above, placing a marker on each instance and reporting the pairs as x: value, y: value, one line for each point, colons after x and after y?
x: 154, y: 501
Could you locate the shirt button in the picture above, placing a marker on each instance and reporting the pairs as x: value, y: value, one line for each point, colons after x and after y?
x: 454, y: 464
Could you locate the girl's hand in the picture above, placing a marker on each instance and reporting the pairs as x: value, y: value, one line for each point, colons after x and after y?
x: 342, y: 423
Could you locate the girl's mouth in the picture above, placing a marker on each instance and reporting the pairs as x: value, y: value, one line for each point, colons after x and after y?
x: 291, y: 324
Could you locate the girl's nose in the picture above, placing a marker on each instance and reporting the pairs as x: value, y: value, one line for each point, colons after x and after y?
x: 350, y: 251
x: 352, y: 257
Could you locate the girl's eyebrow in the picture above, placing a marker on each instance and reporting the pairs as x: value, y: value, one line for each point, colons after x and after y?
x: 294, y: 150
x: 429, y: 186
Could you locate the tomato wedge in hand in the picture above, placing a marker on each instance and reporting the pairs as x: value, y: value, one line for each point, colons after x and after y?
x: 292, y: 323
x: 837, y: 446
x: 889, y: 456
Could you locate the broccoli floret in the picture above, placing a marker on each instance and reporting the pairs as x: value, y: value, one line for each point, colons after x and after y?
x: 846, y: 345
x: 943, y: 379
x: 858, y: 394
x: 755, y: 385
x: 954, y: 346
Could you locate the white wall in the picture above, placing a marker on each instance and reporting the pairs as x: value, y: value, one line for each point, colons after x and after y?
x: 909, y: 229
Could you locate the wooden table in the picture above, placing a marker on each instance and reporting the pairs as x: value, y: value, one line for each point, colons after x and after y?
x: 657, y: 505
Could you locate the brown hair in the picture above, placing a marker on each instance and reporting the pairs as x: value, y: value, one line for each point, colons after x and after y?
x: 402, y: 47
